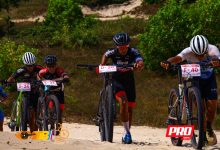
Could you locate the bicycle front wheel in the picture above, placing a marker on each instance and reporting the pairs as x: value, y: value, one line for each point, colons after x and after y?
x: 173, y: 114
x: 24, y: 114
x: 197, y: 117
x: 108, y: 114
x: 53, y: 113
x: 41, y: 114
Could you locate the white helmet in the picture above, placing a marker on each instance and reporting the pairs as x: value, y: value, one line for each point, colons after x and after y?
x: 199, y: 44
x: 28, y: 58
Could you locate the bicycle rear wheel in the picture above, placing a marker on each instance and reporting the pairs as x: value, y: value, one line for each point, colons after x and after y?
x: 108, y: 114
x: 52, y: 113
x: 173, y: 111
x: 197, y: 117
x: 41, y: 114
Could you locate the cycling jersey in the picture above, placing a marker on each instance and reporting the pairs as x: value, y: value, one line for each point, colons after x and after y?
x: 25, y: 74
x: 124, y: 81
x: 188, y: 55
x: 59, y: 72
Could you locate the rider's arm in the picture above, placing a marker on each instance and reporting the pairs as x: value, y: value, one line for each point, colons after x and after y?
x: 104, y: 60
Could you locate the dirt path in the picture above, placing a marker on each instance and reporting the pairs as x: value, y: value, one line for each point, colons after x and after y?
x: 111, y: 12
x: 86, y: 137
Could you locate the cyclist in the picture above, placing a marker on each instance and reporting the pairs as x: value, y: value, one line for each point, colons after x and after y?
x: 201, y: 50
x: 4, y: 97
x: 124, y: 83
x: 28, y: 73
x: 53, y: 72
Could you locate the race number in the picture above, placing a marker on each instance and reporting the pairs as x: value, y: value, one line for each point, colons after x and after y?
x: 23, y: 86
x: 49, y: 82
x: 182, y: 131
x: 191, y: 70
x: 105, y: 69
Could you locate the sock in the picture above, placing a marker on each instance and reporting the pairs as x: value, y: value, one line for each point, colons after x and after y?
x: 126, y: 127
x: 208, y: 125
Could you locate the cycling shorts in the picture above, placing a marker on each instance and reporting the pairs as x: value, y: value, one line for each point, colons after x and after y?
x: 208, y: 88
x: 126, y: 85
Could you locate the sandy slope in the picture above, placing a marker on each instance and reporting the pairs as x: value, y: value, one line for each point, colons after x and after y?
x: 86, y: 137
x: 111, y: 12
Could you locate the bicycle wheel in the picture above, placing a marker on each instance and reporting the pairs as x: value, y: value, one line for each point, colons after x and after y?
x: 100, y: 115
x: 197, y: 117
x: 41, y: 114
x: 108, y: 114
x: 173, y: 111
x: 13, y: 119
x: 24, y: 114
x: 52, y: 113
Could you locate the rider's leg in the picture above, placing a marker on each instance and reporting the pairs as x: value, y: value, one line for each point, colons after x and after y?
x: 60, y: 96
x: 32, y: 119
x: 211, y: 111
x: 122, y: 99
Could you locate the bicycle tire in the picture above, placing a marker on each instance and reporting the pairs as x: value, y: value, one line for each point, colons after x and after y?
x: 41, y: 114
x: 108, y: 114
x: 13, y: 116
x: 24, y: 114
x: 52, y: 122
x: 195, y: 96
x: 173, y: 96
x: 101, y: 120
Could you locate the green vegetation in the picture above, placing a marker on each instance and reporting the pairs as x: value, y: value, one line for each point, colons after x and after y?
x: 11, y: 57
x: 171, y: 29
x: 77, y: 39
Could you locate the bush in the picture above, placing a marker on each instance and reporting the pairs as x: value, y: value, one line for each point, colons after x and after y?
x: 11, y: 57
x: 171, y: 29
x: 68, y: 25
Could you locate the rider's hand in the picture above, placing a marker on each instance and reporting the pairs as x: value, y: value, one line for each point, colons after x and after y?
x: 215, y: 62
x: 165, y: 64
x: 4, y: 82
x: 139, y: 65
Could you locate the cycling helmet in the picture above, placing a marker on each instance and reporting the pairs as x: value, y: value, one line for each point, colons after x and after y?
x: 29, y: 58
x: 50, y: 60
x: 199, y: 44
x: 121, y: 39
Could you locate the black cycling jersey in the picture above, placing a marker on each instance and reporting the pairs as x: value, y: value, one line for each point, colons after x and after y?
x: 132, y: 56
x: 25, y: 75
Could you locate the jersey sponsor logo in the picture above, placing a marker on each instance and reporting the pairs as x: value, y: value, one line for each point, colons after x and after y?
x: 20, y: 70
x: 119, y: 62
x: 184, y: 132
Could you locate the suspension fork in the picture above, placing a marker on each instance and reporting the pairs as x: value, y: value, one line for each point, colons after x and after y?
x: 18, y: 108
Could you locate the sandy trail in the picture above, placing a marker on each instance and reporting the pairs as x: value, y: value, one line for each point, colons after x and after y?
x: 86, y: 137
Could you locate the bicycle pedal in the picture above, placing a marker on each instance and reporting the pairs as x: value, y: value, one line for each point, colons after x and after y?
x: 97, y: 120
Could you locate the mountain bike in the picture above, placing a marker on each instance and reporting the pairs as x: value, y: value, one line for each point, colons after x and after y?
x: 107, y: 105
x: 185, y: 105
x: 19, y: 114
x: 48, y: 112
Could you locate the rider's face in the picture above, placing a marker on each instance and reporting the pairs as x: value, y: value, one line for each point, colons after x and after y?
x: 51, y: 68
x: 123, y: 49
x: 30, y: 68
x: 201, y: 57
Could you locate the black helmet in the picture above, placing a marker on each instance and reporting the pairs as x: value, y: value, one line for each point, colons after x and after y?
x: 121, y: 39
x: 50, y: 60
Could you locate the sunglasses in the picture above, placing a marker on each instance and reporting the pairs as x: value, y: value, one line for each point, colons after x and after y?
x: 122, y: 47
x: 29, y: 65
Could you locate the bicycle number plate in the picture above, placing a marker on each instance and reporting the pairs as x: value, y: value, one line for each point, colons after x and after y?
x: 49, y: 82
x: 23, y: 86
x: 191, y: 70
x: 105, y: 69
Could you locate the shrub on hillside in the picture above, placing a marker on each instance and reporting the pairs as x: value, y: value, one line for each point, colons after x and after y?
x: 68, y: 24
x: 171, y: 29
x: 11, y: 57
